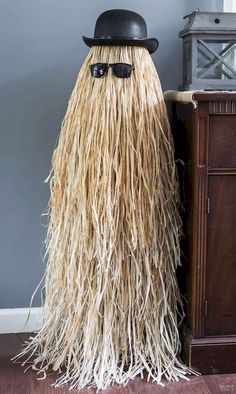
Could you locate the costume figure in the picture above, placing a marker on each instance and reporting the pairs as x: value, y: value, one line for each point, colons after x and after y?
x: 112, y: 299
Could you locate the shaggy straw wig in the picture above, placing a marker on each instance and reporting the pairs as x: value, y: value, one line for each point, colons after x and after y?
x: 112, y: 300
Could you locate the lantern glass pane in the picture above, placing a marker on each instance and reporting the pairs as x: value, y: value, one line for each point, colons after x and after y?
x: 216, y: 59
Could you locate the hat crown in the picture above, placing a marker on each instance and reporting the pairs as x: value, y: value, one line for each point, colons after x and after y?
x: 118, y: 23
x: 122, y: 28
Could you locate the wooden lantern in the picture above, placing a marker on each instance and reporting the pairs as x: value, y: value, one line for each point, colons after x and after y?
x: 209, y: 51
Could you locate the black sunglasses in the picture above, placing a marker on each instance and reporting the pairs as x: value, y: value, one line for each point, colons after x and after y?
x: 120, y: 70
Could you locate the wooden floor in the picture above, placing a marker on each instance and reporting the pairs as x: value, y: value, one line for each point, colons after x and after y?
x: 13, y: 380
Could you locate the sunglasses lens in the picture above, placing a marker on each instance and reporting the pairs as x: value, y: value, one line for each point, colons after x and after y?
x: 122, y: 70
x: 98, y: 70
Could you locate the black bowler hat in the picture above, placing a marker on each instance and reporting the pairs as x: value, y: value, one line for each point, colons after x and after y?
x: 121, y: 27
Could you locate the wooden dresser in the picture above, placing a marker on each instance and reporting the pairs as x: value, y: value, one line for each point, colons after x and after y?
x: 205, y: 145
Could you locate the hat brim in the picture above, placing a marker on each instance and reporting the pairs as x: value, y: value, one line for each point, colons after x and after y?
x: 151, y: 44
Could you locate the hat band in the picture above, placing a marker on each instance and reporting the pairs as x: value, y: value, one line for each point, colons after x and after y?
x: 120, y: 38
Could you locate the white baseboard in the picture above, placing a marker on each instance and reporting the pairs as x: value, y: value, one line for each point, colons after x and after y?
x: 14, y: 320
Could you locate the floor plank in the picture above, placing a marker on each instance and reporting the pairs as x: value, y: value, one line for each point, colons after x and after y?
x: 13, y: 380
x: 9, y: 344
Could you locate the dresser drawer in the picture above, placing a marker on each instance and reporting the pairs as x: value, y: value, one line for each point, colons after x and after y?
x: 222, y: 141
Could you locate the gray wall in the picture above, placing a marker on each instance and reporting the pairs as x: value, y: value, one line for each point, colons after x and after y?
x: 204, y: 5
x: 41, y: 52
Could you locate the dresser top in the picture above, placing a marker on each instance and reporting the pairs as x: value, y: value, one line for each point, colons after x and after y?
x: 199, y: 95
